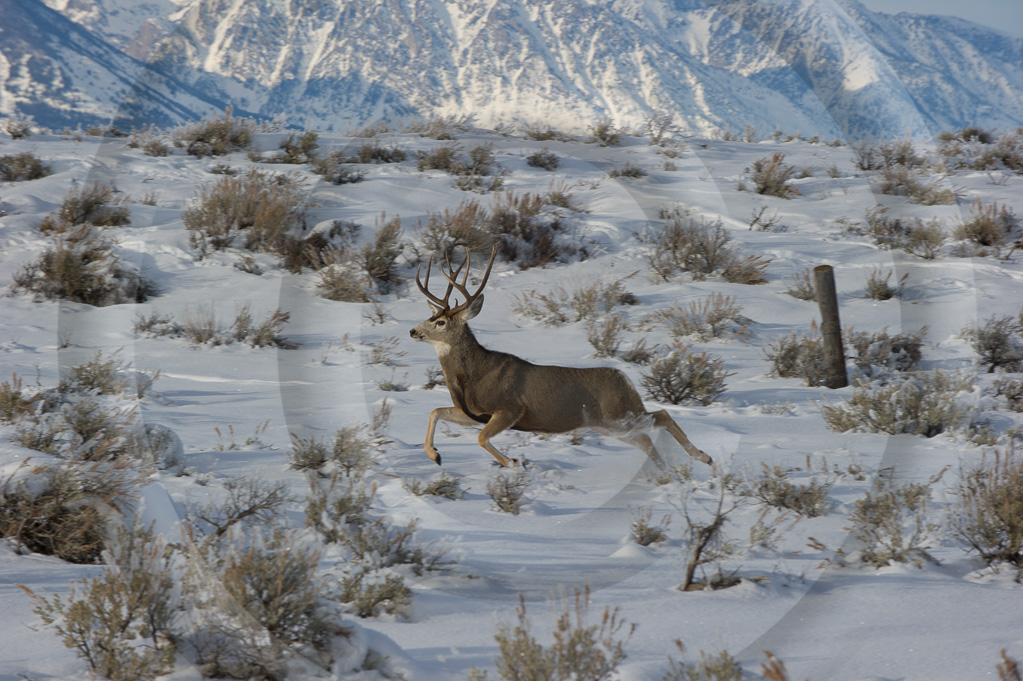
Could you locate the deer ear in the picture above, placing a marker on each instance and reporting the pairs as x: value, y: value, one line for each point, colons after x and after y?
x: 474, y: 309
x: 434, y: 310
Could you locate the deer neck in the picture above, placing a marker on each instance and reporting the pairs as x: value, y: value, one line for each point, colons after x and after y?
x: 461, y: 353
x: 462, y: 362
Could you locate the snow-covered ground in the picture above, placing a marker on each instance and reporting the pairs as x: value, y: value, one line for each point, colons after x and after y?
x: 234, y: 408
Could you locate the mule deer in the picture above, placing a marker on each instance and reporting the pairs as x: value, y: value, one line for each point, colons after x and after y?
x: 503, y: 391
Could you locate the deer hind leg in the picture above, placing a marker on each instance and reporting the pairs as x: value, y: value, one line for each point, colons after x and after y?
x: 663, y: 420
x: 449, y: 414
x: 640, y: 441
x: 499, y: 422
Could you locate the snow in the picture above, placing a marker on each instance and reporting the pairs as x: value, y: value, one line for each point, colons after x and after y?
x: 234, y: 407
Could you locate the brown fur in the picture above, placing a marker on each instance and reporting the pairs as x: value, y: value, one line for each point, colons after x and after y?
x: 504, y: 392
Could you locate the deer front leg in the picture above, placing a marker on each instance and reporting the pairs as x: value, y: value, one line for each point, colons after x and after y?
x: 449, y: 414
x: 663, y: 420
x: 498, y: 422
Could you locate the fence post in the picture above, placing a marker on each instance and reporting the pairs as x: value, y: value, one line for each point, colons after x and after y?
x: 831, y: 327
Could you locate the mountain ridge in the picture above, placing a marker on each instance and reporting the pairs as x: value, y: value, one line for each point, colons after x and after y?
x: 834, y: 69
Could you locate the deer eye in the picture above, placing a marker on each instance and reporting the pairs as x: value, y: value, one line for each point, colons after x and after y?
x: 441, y: 322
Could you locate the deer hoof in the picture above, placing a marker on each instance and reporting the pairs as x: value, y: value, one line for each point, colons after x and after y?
x: 437, y: 459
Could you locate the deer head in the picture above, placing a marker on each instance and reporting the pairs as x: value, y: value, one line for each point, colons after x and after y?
x: 446, y: 327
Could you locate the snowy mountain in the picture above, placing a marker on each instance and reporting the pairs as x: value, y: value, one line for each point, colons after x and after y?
x: 833, y: 68
x: 65, y: 75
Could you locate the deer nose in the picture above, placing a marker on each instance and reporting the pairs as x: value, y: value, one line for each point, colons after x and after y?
x: 412, y: 332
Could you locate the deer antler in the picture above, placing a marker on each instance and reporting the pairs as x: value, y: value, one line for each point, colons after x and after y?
x: 469, y: 297
x: 453, y: 284
x: 423, y: 286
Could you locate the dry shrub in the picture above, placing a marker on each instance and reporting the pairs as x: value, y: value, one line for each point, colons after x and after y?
x: 81, y: 267
x: 706, y: 542
x: 376, y: 153
x: 687, y: 244
x: 255, y: 602
x: 200, y: 326
x: 256, y: 211
x: 684, y: 377
x: 712, y: 317
x: 644, y: 532
x: 606, y: 133
x: 890, y: 523
x: 19, y: 126
x: 998, y: 342
x: 274, y: 581
x: 379, y: 260
x: 344, y: 284
x: 888, y: 154
x: 911, y: 235
x: 586, y: 303
x: 46, y: 512
x: 264, y: 334
x: 578, y: 652
x: 989, y: 225
x: 215, y: 136
x: 443, y: 486
x: 771, y: 177
x: 517, y: 224
x: 543, y: 132
x: 507, y: 490
x: 297, y: 150
x: 878, y: 287
x: 445, y: 157
x: 101, y: 462
x: 908, y: 182
x: 370, y: 593
x: 750, y: 134
x: 878, y: 353
x: 747, y: 269
x: 798, y: 356
x: 606, y: 335
x: 350, y: 454
x: 443, y: 128
x: 331, y: 509
x: 250, y: 501
x: 527, y: 236
x: 22, y: 167
x: 775, y: 489
x: 1008, y: 669
x: 87, y: 205
x: 97, y: 376
x: 1012, y: 390
x: 803, y: 286
x: 875, y: 353
x: 918, y: 403
x: 639, y: 353
x: 336, y: 168
x: 121, y: 622
x: 545, y: 159
x: 659, y: 125
x: 720, y: 667
x: 465, y: 227
x: 976, y: 149
x: 691, y: 245
x: 627, y: 170
x: 988, y: 513
x: 14, y: 404
x: 476, y: 171
x: 377, y: 544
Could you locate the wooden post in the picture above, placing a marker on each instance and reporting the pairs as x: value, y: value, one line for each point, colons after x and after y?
x: 831, y: 327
